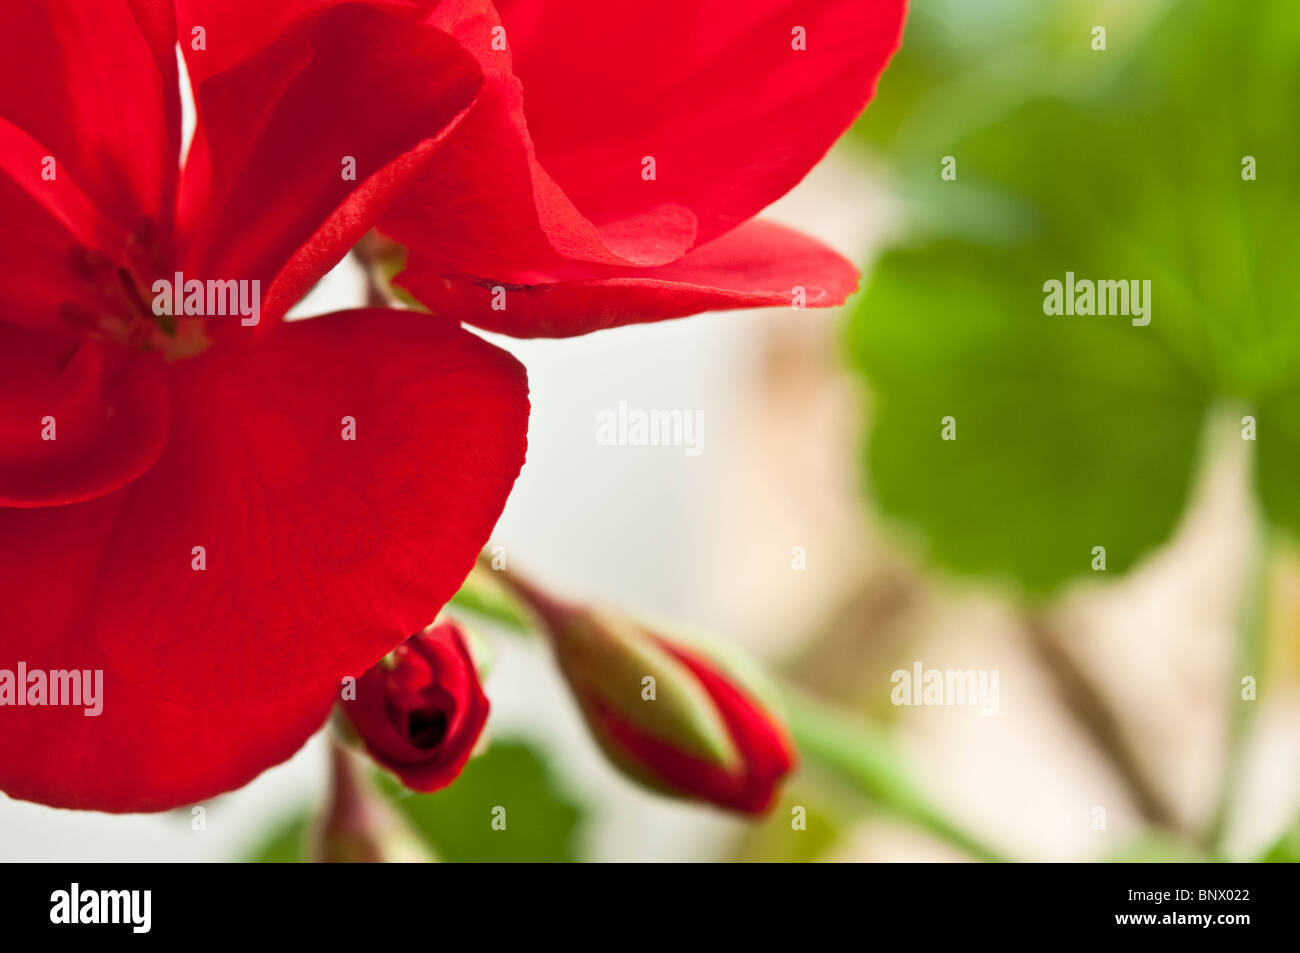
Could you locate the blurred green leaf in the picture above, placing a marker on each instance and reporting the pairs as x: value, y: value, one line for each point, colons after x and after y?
x: 944, y: 79
x: 286, y: 844
x: 1077, y: 432
x: 1287, y: 848
x: 1158, y: 849
x: 542, y: 823
x: 776, y: 840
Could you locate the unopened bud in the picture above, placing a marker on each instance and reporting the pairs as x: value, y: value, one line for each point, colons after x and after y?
x: 667, y: 710
x: 421, y: 709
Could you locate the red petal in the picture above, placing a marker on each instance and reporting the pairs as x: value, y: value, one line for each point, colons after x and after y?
x: 767, y: 754
x: 96, y: 84
x: 49, y: 220
x: 322, y: 554
x: 485, y: 205
x: 732, y: 114
x: 759, y: 264
x: 264, y: 188
x: 58, y: 195
x: 105, y: 409
x: 551, y: 169
x: 38, y: 241
x: 139, y: 753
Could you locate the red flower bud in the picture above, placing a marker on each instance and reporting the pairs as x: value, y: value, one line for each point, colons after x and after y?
x: 421, y: 709
x: 744, y: 779
x: 666, y: 710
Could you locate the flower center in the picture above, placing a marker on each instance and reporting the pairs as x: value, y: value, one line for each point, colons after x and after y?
x: 120, y: 306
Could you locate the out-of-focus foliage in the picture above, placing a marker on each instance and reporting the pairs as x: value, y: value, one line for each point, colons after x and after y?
x: 1155, y: 848
x: 856, y: 756
x: 1287, y: 848
x: 285, y: 844
x: 1078, y: 432
x: 964, y: 63
x: 778, y: 840
x: 541, y: 822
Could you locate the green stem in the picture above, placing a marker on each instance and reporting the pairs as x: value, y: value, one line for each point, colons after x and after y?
x: 1090, y: 707
x: 851, y: 749
x: 347, y: 832
x: 487, y: 596
x: 1251, y: 637
x: 864, y: 757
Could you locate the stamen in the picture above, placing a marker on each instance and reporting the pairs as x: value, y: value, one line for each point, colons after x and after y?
x: 133, y: 291
x: 119, y: 306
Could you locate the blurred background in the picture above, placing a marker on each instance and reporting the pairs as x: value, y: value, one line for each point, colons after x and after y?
x: 1121, y: 731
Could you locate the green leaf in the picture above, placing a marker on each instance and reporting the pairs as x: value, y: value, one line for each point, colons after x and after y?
x: 776, y: 840
x: 1074, y: 432
x: 943, y: 77
x: 286, y: 844
x: 1156, y: 848
x: 1287, y: 848
x: 542, y: 823
x: 1068, y: 436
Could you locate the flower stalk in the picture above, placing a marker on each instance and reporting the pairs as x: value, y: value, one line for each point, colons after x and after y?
x: 848, y: 748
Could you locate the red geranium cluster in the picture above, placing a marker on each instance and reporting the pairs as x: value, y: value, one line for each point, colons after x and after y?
x: 227, y: 514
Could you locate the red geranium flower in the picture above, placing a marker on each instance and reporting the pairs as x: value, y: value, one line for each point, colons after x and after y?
x: 201, y: 528
x: 227, y: 520
x: 609, y: 169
